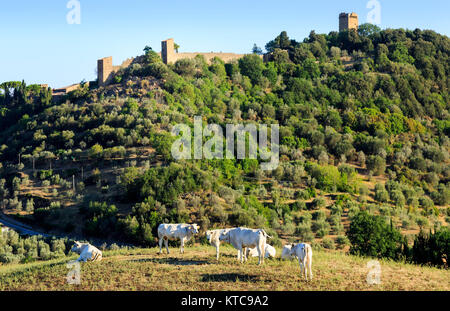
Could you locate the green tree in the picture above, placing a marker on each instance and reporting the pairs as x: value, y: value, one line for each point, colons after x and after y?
x: 257, y: 50
x: 368, y: 30
x: 96, y: 151
x: 280, y: 42
x: 376, y: 164
x: 371, y: 236
x: 252, y: 66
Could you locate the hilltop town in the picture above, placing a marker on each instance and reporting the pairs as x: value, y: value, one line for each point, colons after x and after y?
x: 168, y: 54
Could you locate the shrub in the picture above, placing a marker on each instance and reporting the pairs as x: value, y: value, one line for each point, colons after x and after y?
x: 431, y: 248
x: 45, y: 174
x: 336, y: 223
x: 422, y: 222
x: 376, y: 164
x: 9, y: 258
x: 398, y: 198
x: 316, y: 246
x: 321, y: 228
x: 328, y: 243
x: 299, y: 205
x: 303, y: 230
x: 306, y: 218
x: 342, y: 241
x: 363, y: 190
x: 289, y: 228
x: 413, y: 201
x: 385, y: 210
x: 45, y: 183
x: 319, y: 203
x: 371, y: 236
x: 381, y: 196
x: 352, y: 211
x: 319, y: 215
x: 101, y: 218
x: 96, y: 151
x: 336, y: 210
x: 328, y: 177
x: 406, y: 223
x: 114, y: 247
x: 426, y: 202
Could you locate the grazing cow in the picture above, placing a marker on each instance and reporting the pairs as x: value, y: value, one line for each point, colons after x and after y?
x: 269, y: 252
x: 213, y: 239
x: 242, y: 238
x: 87, y: 252
x: 184, y: 232
x: 303, y: 252
x: 286, y: 252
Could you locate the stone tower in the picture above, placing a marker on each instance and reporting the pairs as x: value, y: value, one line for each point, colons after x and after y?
x: 348, y: 21
x: 167, y: 51
x: 104, y: 70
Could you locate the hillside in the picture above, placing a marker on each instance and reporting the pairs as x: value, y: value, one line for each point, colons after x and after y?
x: 364, y: 126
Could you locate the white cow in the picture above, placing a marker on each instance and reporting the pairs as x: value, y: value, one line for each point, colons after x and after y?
x: 87, y: 252
x: 213, y: 237
x: 242, y: 238
x: 270, y: 252
x: 286, y: 252
x: 303, y: 251
x: 184, y: 232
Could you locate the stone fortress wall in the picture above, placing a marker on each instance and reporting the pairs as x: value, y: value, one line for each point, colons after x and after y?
x: 169, y: 55
x: 106, y: 69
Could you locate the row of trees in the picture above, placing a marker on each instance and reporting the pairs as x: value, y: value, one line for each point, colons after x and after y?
x: 16, y: 249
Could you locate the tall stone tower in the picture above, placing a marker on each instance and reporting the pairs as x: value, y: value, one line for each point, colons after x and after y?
x: 348, y: 21
x: 167, y: 51
x: 104, y: 70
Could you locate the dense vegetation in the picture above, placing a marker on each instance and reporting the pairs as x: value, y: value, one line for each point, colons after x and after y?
x: 364, y: 125
x: 14, y: 249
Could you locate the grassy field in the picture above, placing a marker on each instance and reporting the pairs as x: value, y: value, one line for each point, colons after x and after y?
x: 197, y: 269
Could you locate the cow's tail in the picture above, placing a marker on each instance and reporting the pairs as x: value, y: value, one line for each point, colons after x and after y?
x: 308, y: 251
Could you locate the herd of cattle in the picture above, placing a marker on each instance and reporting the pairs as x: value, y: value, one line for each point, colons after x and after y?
x: 248, y: 242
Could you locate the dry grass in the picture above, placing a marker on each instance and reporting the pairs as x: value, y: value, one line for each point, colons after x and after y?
x: 197, y: 269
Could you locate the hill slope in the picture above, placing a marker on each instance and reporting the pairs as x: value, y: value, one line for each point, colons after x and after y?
x: 364, y: 126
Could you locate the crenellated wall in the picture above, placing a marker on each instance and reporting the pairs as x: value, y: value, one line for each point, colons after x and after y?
x: 106, y: 70
x: 348, y: 21
x: 169, y: 55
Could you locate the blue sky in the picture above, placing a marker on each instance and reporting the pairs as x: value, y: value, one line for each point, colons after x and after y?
x: 38, y: 45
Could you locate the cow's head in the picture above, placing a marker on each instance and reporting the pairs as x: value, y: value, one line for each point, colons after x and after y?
x: 292, y: 252
x: 193, y: 228
x: 301, y: 247
x: 225, y: 235
x: 208, y: 235
x: 76, y: 247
